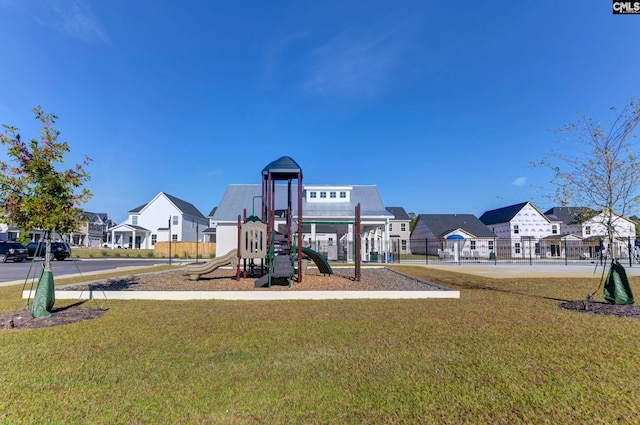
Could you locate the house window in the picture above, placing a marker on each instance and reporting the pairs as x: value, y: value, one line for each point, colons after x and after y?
x: 312, y: 195
x: 473, y: 244
x: 154, y: 239
x: 554, y: 229
x: 330, y: 241
x: 404, y: 245
x: 537, y: 248
x: 174, y: 238
x: 517, y: 247
x: 391, y: 227
x: 516, y: 229
x: 403, y: 227
x: 587, y: 230
x: 134, y: 220
x: 175, y: 220
x: 343, y: 195
x: 332, y: 195
x: 323, y: 195
x: 491, y: 245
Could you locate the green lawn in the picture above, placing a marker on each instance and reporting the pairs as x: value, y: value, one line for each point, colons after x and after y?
x: 503, y: 353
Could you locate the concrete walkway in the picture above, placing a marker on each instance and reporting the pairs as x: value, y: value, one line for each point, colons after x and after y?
x: 524, y: 270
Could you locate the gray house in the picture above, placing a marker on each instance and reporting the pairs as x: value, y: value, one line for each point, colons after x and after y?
x: 328, y: 215
x: 399, y: 230
x: 452, y: 236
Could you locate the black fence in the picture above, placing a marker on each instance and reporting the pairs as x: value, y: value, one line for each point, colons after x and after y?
x: 461, y: 251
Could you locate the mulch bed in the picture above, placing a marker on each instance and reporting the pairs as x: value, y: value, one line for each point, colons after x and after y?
x: 61, y: 316
x: 602, y: 308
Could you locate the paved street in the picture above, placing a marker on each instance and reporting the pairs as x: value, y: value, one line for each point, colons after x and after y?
x: 16, y: 273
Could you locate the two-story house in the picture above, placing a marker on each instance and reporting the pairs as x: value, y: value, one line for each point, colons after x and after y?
x: 523, y: 231
x: 163, y: 218
x: 328, y: 218
x: 399, y: 230
x: 94, y: 231
x: 591, y: 227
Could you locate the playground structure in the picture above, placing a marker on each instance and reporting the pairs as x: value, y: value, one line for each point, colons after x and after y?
x: 279, y: 251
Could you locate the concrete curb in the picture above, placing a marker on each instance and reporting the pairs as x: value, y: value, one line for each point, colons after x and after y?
x: 245, y: 295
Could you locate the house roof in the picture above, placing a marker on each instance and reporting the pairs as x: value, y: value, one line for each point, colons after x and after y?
x: 571, y: 215
x: 442, y: 224
x: 185, y: 207
x: 399, y: 213
x: 238, y: 197
x: 505, y: 214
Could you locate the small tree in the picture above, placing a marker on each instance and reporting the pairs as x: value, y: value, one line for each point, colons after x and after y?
x: 34, y: 194
x: 597, y: 167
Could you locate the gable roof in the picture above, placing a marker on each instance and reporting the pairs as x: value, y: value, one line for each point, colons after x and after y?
x: 187, y: 208
x: 571, y: 215
x: 238, y: 197
x: 442, y: 224
x: 506, y: 214
x: 399, y: 213
x: 184, y: 207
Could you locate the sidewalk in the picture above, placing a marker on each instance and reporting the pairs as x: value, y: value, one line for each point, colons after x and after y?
x: 525, y: 270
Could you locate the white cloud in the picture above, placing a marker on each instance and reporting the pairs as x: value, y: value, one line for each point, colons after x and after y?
x: 353, y: 67
x: 73, y: 18
x: 519, y: 182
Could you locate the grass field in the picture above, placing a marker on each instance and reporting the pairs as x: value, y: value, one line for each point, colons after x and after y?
x: 503, y: 353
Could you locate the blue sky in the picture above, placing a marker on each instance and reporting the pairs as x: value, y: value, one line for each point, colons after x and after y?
x: 443, y: 105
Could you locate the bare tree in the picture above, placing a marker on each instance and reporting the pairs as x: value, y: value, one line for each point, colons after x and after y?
x: 596, y: 166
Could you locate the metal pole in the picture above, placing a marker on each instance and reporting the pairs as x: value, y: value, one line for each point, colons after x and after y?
x: 426, y: 250
x: 169, y: 240
x: 197, y: 229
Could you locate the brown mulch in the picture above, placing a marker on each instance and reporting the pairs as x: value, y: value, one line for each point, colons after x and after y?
x: 372, y: 279
x: 602, y: 308
x: 60, y: 316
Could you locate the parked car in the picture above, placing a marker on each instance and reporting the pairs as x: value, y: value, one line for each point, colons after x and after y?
x: 59, y: 250
x: 10, y: 250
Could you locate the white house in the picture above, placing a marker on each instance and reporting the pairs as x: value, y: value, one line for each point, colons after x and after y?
x: 590, y: 225
x: 328, y: 217
x: 521, y: 229
x: 152, y: 222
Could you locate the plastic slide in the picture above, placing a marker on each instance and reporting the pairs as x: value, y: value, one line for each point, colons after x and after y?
x: 321, y: 262
x: 194, y: 271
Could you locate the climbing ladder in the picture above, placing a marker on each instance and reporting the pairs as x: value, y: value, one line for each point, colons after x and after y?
x: 279, y: 261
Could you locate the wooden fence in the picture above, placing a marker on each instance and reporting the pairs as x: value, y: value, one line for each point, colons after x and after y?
x: 185, y: 249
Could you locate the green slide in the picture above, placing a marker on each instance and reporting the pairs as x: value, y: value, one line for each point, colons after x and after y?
x: 321, y: 262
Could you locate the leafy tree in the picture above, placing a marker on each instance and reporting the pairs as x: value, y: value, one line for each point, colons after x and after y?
x: 596, y: 165
x: 413, y: 217
x: 34, y: 193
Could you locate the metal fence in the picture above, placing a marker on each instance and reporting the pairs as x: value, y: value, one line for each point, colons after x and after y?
x: 488, y: 251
